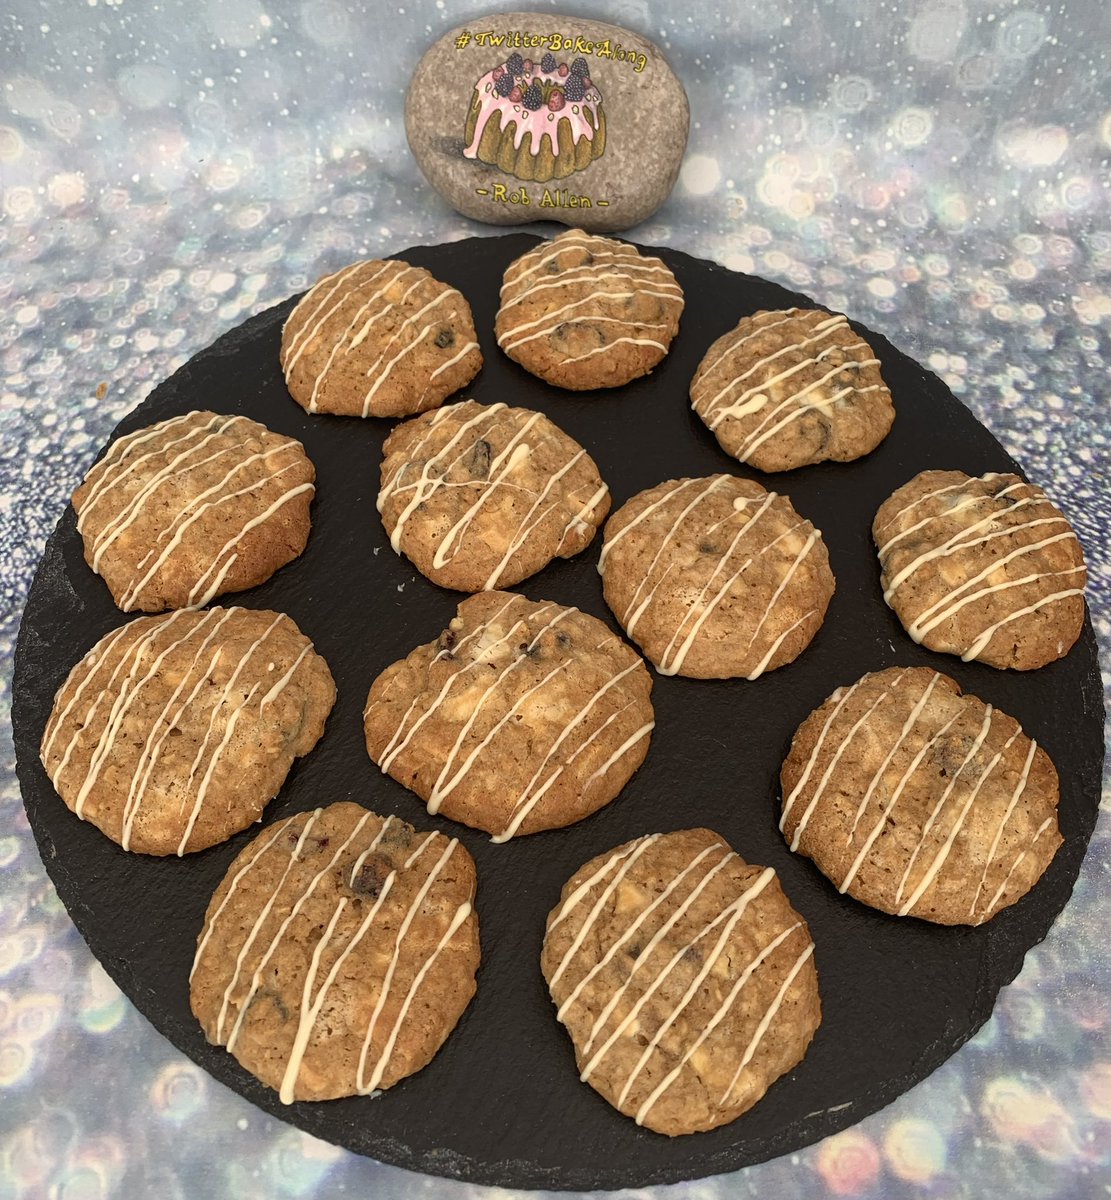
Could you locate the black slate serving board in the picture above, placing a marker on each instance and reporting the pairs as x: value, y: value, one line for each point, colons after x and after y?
x: 501, y: 1103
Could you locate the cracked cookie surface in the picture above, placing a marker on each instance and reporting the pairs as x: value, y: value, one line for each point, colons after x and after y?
x: 479, y: 496
x: 987, y: 568
x: 380, y: 338
x: 522, y: 716
x: 338, y: 953
x: 792, y: 387
x: 715, y: 578
x: 920, y: 801
x: 585, y: 312
x: 684, y: 977
x: 174, y: 732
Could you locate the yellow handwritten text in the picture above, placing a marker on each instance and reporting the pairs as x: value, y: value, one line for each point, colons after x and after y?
x: 556, y: 43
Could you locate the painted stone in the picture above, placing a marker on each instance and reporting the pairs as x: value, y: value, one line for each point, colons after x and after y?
x: 519, y: 117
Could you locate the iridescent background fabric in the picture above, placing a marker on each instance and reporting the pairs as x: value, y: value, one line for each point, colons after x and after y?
x: 936, y: 168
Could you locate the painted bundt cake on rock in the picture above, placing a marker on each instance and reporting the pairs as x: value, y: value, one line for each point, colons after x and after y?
x: 536, y: 121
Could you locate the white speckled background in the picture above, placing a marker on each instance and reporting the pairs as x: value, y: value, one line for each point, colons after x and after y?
x: 939, y: 169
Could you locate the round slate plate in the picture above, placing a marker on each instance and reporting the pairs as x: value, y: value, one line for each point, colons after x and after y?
x: 501, y: 1103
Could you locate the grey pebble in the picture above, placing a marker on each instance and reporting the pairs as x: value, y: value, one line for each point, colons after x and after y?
x: 637, y: 142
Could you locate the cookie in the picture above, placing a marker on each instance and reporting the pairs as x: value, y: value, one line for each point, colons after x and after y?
x: 785, y: 389
x: 920, y: 801
x: 338, y: 953
x: 521, y: 716
x: 482, y: 497
x: 684, y: 977
x: 715, y: 578
x: 586, y: 312
x: 174, y: 732
x: 986, y: 568
x: 181, y: 512
x: 379, y: 339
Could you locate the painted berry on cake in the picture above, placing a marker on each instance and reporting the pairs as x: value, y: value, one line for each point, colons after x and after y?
x: 536, y: 120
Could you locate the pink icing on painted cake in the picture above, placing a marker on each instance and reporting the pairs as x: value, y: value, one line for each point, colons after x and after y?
x: 536, y: 121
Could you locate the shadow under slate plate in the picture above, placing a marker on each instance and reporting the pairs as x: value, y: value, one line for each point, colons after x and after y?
x: 502, y: 1103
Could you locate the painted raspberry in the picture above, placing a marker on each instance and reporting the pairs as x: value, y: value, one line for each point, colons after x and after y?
x: 563, y: 69
x: 515, y: 94
x: 498, y: 72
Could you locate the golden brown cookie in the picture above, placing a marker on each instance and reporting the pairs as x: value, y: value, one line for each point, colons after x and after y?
x: 181, y: 512
x: 482, y: 497
x: 523, y: 715
x: 715, y: 578
x: 379, y: 339
x: 338, y: 953
x: 587, y: 312
x: 175, y: 732
x: 784, y: 389
x: 920, y: 801
x: 684, y: 977
x: 987, y: 568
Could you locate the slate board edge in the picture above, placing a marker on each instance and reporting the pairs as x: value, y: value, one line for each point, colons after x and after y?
x: 311, y: 1117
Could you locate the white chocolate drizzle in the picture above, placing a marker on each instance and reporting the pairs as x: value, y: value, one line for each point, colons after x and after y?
x: 631, y: 932
x: 766, y: 1020
x: 372, y: 283
x: 616, y: 274
x: 757, y: 529
x: 288, y: 904
x: 719, y: 1015
x: 435, y: 477
x: 937, y: 830
x: 687, y: 892
x: 185, y: 446
x: 476, y: 735
x: 737, y: 403
x: 308, y: 317
x: 379, y: 1067
x: 727, y: 916
x: 1001, y: 584
x: 114, y: 680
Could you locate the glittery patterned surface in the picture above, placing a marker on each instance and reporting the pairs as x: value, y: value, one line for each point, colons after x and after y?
x: 938, y: 169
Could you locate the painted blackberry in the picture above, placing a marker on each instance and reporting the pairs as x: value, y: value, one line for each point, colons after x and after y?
x: 579, y: 67
x: 548, y: 63
x: 573, y: 89
x: 534, y: 97
x: 504, y: 85
x: 515, y: 64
